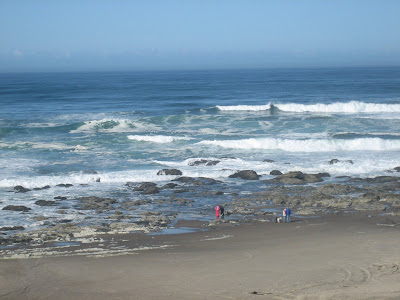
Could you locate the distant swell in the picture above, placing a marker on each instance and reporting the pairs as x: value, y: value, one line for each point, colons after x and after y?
x: 310, y: 145
x: 156, y: 138
x: 338, y: 107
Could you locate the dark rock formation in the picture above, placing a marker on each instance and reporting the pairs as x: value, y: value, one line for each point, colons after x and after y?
x: 12, y: 228
x: 60, y: 198
x: 170, y: 186
x: 268, y: 160
x: 20, y: 189
x: 42, y: 188
x: 17, y: 208
x: 297, y: 178
x: 169, y: 172
x: 93, y: 202
x: 66, y: 185
x: 275, y: 172
x: 204, y: 162
x: 147, y: 188
x: 246, y: 174
x: 333, y: 161
x: 45, y: 203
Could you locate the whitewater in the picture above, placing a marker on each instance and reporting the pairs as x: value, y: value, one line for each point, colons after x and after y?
x: 98, y: 131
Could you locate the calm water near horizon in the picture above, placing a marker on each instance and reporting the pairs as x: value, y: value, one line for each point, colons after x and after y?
x: 77, y: 128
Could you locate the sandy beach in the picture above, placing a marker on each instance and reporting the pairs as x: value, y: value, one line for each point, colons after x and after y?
x: 354, y: 256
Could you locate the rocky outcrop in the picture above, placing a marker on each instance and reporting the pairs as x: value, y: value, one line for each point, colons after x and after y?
x: 298, y: 178
x: 170, y: 185
x: 204, y: 162
x: 66, y: 185
x: 12, y: 228
x: 17, y: 208
x: 42, y: 188
x: 95, y: 203
x: 268, y: 160
x: 275, y: 172
x: 196, y: 181
x: 246, y: 174
x: 45, y: 203
x: 147, y: 188
x: 169, y: 172
x: 335, y: 161
x: 20, y: 189
x: 153, y: 219
x: 378, y: 179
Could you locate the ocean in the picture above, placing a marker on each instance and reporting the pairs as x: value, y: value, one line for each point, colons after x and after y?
x: 98, y: 131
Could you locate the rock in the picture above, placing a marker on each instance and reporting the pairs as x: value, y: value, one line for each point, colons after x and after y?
x: 186, y: 179
x: 296, y: 178
x: 42, y: 188
x: 151, y: 191
x: 154, y: 220
x: 60, y: 198
x: 66, y: 185
x: 45, y: 203
x: 16, y: 208
x: 275, y: 172
x: 397, y: 169
x: 333, y: 161
x: 338, y: 189
x: 93, y: 202
x: 20, y: 189
x: 246, y: 174
x: 268, y: 160
x: 170, y: 186
x: 147, y: 188
x: 169, y: 172
x: 12, y: 228
x: 378, y: 179
x: 204, y: 162
x: 324, y: 174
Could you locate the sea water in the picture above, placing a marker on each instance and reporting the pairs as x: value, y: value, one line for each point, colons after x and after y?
x: 118, y: 127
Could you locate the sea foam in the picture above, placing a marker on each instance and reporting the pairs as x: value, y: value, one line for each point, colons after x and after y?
x: 309, y: 145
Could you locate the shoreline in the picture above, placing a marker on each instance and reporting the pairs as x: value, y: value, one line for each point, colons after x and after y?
x: 351, y: 256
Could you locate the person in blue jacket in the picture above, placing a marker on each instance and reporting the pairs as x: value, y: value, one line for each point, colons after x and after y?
x: 288, y: 213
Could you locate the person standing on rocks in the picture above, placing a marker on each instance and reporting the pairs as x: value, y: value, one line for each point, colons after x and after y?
x: 219, y: 211
x: 288, y: 213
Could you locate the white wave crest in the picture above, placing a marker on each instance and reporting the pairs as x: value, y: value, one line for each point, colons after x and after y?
x: 114, y: 125
x: 341, y: 107
x: 244, y: 107
x: 156, y: 138
x: 310, y: 145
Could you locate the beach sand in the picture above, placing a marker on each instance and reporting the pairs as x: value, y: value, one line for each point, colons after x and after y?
x: 354, y: 256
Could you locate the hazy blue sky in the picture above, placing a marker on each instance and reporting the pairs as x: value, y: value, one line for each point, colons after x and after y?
x: 51, y: 35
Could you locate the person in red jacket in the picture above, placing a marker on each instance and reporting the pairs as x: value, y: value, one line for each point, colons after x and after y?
x: 219, y: 211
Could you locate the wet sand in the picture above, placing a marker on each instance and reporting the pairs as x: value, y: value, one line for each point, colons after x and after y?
x: 333, y: 257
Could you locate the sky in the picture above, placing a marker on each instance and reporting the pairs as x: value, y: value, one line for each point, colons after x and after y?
x: 122, y: 35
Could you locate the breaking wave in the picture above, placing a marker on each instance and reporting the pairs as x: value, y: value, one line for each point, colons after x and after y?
x: 114, y: 125
x: 310, y: 145
x: 338, y: 107
x: 244, y: 107
x: 156, y: 138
